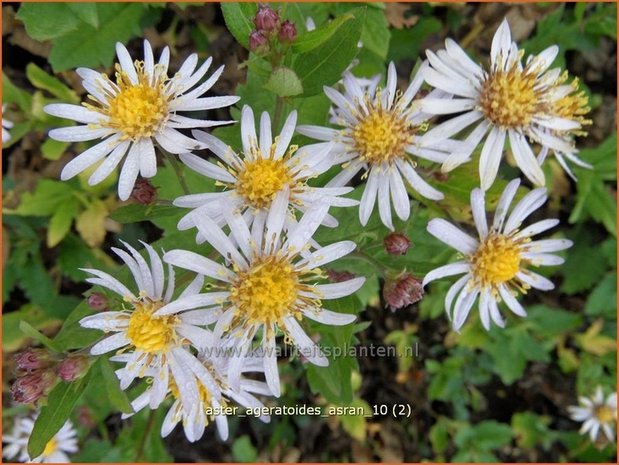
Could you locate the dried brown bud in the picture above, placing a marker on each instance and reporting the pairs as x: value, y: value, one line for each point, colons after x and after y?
x: 288, y: 32
x: 396, y: 243
x: 30, y: 388
x: 402, y: 291
x: 144, y: 192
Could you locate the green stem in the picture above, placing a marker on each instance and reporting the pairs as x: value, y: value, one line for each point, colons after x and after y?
x: 178, y: 169
x: 149, y: 425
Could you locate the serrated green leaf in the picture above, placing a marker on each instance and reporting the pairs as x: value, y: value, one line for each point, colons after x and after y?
x: 311, y: 40
x: 53, y: 416
x: 61, y: 221
x: 117, y: 396
x: 239, y: 20
x: 44, y: 81
x: 48, y: 196
x: 45, y: 21
x: 284, y: 82
x: 87, y: 12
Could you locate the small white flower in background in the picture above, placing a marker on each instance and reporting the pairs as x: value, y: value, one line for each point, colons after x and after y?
x: 596, y: 414
x: 510, y: 101
x: 270, y: 175
x: 380, y: 131
x: 147, y: 341
x: 56, y: 450
x: 495, y: 265
x: 273, y: 282
x: 195, y: 420
x: 6, y: 124
x: 141, y: 105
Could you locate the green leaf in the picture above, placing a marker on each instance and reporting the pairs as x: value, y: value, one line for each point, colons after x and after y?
x: 603, y: 300
x: 45, y: 21
x: 13, y: 94
x: 87, y: 12
x: 117, y: 396
x: 239, y: 18
x: 243, y: 450
x: 375, y: 35
x: 60, y: 222
x: 284, y: 82
x: 53, y: 149
x: 30, y: 331
x: 72, y: 335
x: 311, y: 40
x: 135, y: 212
x: 530, y: 429
x: 91, y: 47
x: 325, y: 64
x: 485, y: 436
x: 53, y: 416
x: 439, y: 436
x: 46, y: 199
x: 12, y: 337
x: 54, y: 86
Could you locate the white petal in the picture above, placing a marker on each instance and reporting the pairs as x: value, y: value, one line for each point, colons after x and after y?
x: 327, y: 317
x: 110, y: 343
x: 446, y: 270
x: 529, y: 203
x: 342, y: 289
x: 490, y: 158
x: 89, y: 157
x: 452, y: 236
x: 283, y: 141
x: 197, y: 263
x: 129, y: 173
x: 306, y: 346
x: 511, y: 301
x: 525, y: 159
x: 535, y: 280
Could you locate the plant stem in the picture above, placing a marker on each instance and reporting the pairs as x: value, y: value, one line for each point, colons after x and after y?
x: 178, y: 169
x: 149, y: 425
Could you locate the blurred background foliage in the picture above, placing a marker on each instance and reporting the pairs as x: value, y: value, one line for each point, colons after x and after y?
x: 477, y: 396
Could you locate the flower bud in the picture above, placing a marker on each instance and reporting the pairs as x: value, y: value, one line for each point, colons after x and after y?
x: 97, y: 301
x: 339, y: 276
x: 402, y: 291
x: 30, y: 388
x: 73, y: 367
x: 144, y: 192
x: 288, y: 32
x: 30, y: 360
x: 396, y: 244
x: 258, y: 43
x: 266, y: 19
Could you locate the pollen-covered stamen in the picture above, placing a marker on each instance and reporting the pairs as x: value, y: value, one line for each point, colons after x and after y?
x: 496, y: 261
x: 151, y: 333
x: 382, y: 135
x: 574, y: 105
x: 510, y: 98
x: 137, y: 110
x: 269, y: 290
x: 604, y: 414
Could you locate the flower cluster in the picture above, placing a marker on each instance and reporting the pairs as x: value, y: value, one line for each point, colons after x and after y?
x: 191, y: 339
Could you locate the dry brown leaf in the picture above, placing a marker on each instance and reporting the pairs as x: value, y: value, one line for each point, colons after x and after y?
x: 396, y: 15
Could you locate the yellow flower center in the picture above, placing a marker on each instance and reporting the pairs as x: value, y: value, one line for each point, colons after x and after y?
x: 151, y: 333
x: 267, y: 291
x: 205, y: 395
x: 382, y: 136
x: 137, y: 110
x: 496, y: 261
x: 509, y: 98
x: 604, y: 414
x: 574, y: 105
x: 50, y: 447
x: 261, y: 179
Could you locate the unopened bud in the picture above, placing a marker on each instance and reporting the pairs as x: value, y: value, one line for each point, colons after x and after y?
x: 288, y: 32
x: 32, y: 359
x: 402, y: 291
x: 144, y: 192
x: 266, y: 19
x: 339, y: 276
x: 258, y: 43
x: 97, y: 301
x: 30, y: 388
x: 73, y: 367
x: 396, y: 244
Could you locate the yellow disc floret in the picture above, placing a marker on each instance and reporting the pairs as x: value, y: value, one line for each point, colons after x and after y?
x: 509, y: 98
x: 604, y: 414
x: 151, y: 333
x: 382, y: 136
x: 496, y: 261
x: 261, y: 179
x: 267, y: 291
x: 50, y: 447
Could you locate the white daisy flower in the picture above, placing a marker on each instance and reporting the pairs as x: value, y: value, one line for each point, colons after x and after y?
x: 145, y: 340
x: 508, y: 101
x: 597, y: 413
x: 380, y: 131
x: 56, y: 450
x: 269, y: 286
x: 6, y: 125
x: 495, y: 264
x: 271, y: 173
x: 128, y: 114
x: 195, y: 417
